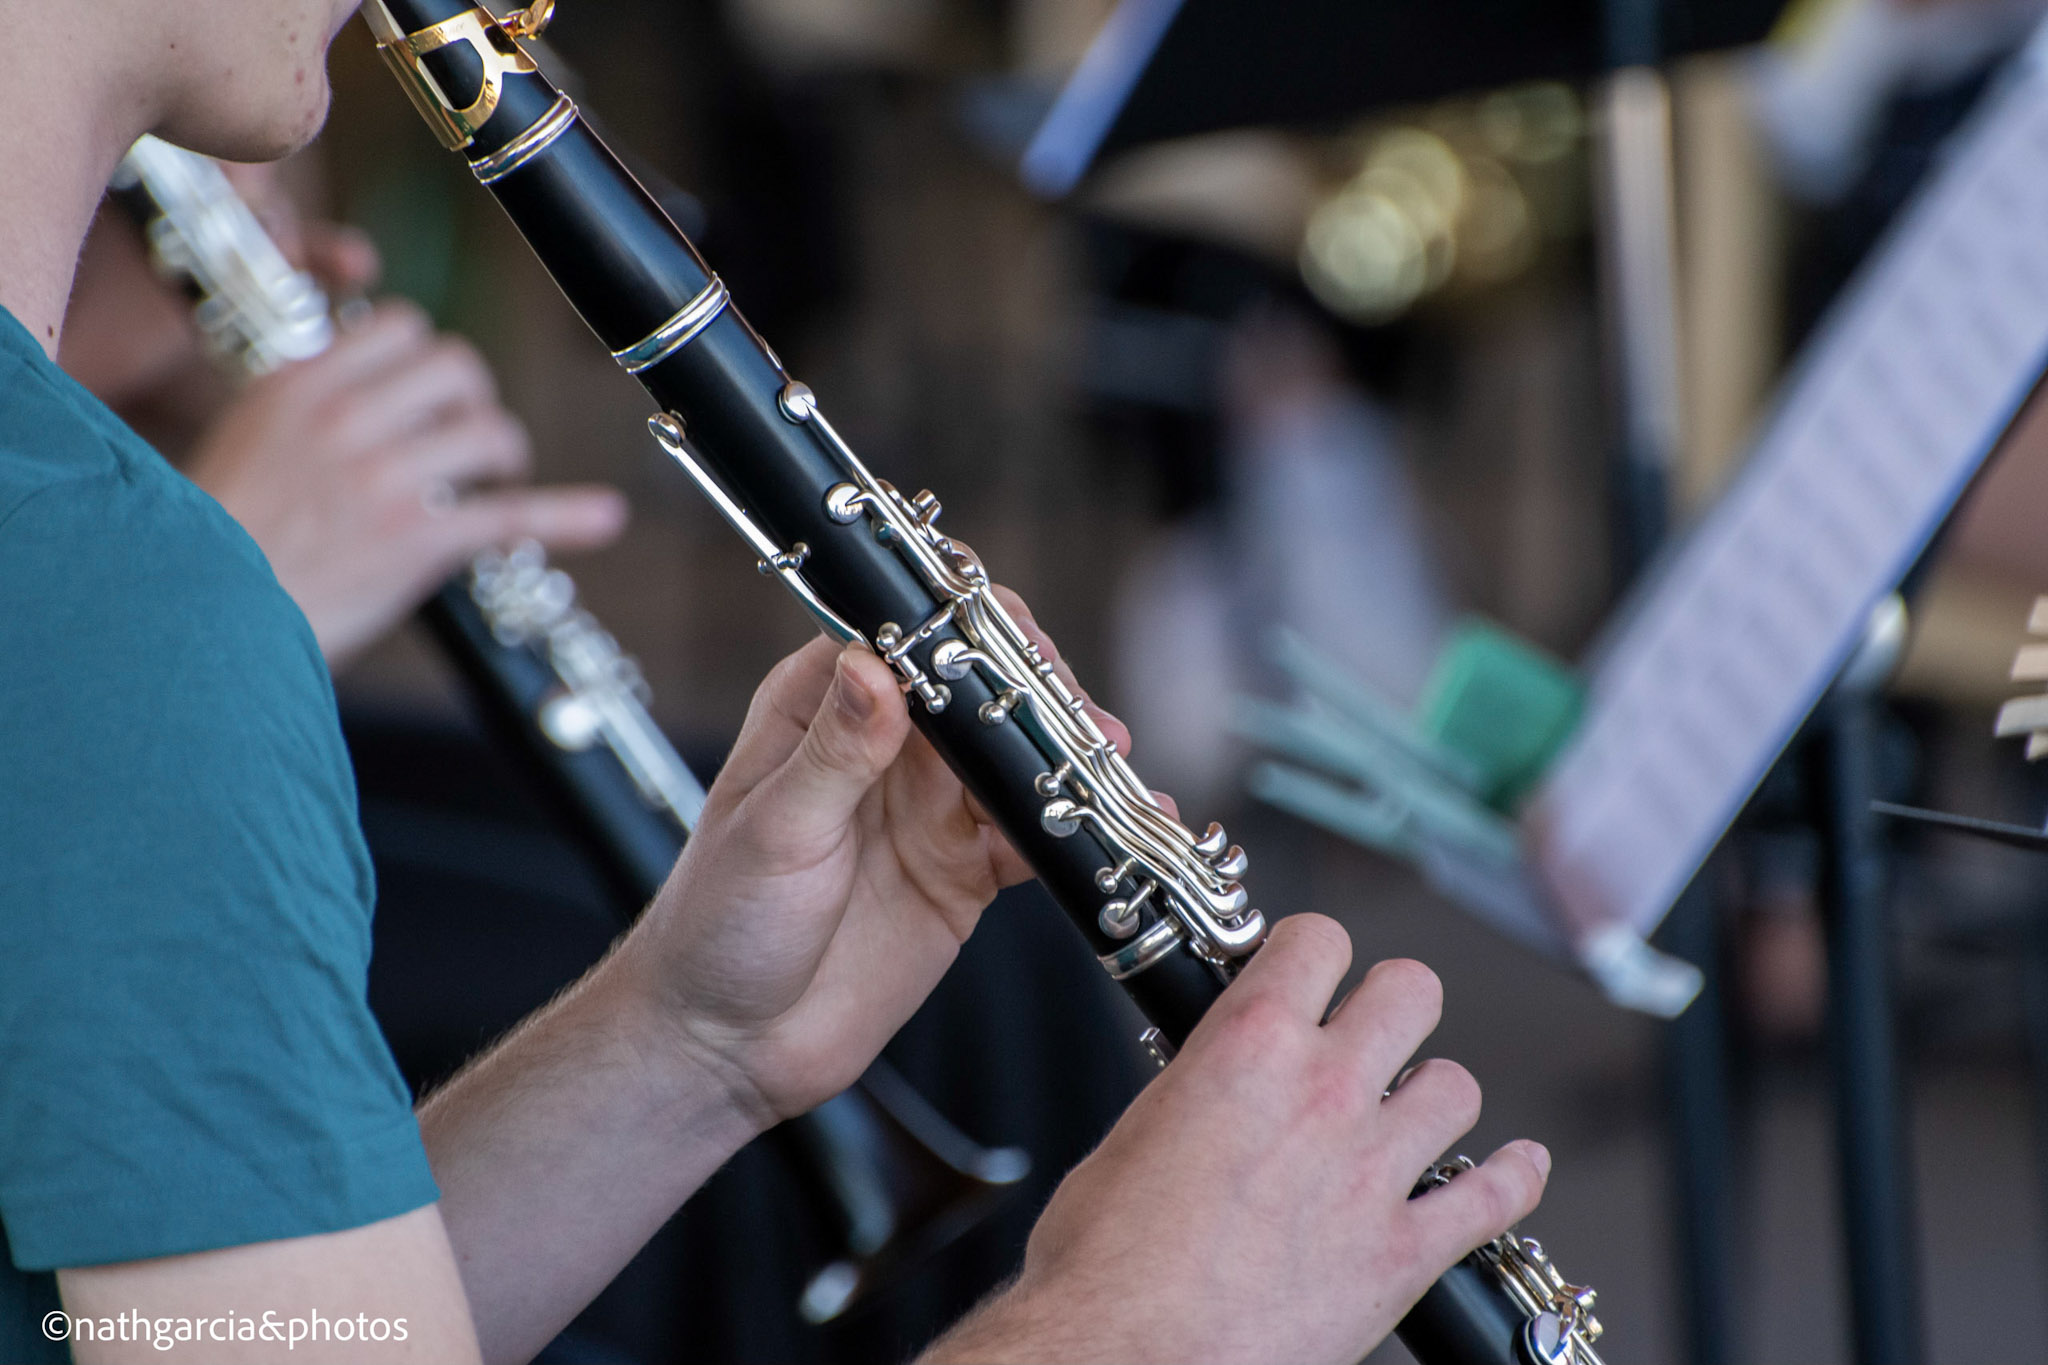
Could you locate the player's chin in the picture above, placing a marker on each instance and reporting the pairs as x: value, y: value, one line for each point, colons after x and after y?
x: 260, y: 129
x: 298, y: 120
x: 313, y: 114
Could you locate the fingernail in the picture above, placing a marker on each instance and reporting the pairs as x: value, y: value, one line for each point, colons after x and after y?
x: 1540, y: 1154
x: 853, y: 699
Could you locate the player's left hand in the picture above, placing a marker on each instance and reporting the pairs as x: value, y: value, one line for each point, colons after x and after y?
x: 838, y: 867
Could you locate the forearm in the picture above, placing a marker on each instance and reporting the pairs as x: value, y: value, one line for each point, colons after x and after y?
x: 561, y: 1150
x: 1019, y: 1323
x: 994, y: 1330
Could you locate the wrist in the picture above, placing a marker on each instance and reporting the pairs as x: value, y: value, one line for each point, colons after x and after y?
x: 1030, y: 1320
x: 997, y: 1329
x: 687, y: 1068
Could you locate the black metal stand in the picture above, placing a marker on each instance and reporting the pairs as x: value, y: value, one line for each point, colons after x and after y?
x: 1696, y: 1088
x: 1877, y: 1220
x: 2034, y: 1003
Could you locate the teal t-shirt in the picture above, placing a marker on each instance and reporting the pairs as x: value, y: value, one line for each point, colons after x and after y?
x: 187, y: 1056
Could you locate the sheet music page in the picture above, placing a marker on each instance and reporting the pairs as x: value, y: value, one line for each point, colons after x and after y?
x: 1730, y: 644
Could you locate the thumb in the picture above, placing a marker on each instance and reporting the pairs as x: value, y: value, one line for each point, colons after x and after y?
x: 856, y: 734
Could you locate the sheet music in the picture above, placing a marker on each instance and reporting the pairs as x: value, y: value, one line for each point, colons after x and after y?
x: 1732, y: 642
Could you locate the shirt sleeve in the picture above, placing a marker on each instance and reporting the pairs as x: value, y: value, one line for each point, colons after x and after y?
x: 187, y: 1057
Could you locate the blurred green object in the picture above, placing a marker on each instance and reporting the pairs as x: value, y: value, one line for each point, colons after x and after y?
x: 1502, y: 706
x: 1439, y: 788
x: 1441, y: 783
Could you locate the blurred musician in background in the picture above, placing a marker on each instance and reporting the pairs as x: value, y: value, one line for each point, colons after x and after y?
x: 367, y: 474
x: 199, y: 1124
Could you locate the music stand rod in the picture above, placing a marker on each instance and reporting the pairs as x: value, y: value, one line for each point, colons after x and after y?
x: 1873, y: 1174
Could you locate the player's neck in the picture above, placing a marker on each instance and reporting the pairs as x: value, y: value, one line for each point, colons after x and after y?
x: 63, y: 136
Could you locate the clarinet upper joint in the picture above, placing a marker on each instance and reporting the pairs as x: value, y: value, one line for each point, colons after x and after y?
x: 1186, y: 887
x: 1560, y: 1328
x: 771, y: 559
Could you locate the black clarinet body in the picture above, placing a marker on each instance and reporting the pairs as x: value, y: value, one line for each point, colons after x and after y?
x: 1161, y: 907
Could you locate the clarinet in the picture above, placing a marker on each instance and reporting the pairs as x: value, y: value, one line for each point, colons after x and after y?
x: 1162, y: 908
x: 897, y: 1180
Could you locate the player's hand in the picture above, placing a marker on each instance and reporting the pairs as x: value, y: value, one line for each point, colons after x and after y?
x: 838, y: 866
x: 1253, y: 1203
x: 373, y: 471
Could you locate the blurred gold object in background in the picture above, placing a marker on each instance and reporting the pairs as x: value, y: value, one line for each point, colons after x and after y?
x: 1440, y: 201
x: 1388, y: 236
